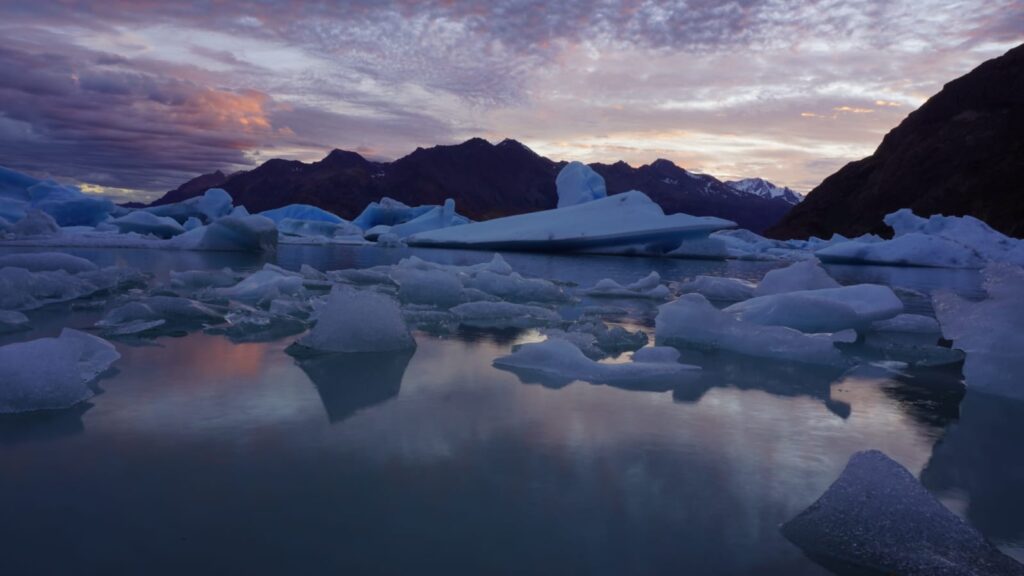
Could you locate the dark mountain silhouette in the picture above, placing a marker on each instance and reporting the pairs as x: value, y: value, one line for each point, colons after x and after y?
x: 486, y: 180
x: 961, y: 153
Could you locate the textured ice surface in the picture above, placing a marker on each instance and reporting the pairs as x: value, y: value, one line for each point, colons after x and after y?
x: 146, y: 223
x: 213, y: 204
x: 989, y: 331
x: 578, y: 183
x: 805, y: 275
x: 168, y: 313
x: 317, y: 228
x: 630, y: 219
x: 231, y: 233
x: 824, y: 310
x: 436, y: 218
x: 515, y: 288
x: 560, y: 358
x: 878, y: 516
x: 263, y: 286
x: 358, y: 321
x: 692, y: 320
x: 52, y: 373
x: 719, y: 288
x: 434, y: 287
x: 12, y: 321
x: 35, y: 223
x: 649, y: 286
x: 21, y: 289
x: 914, y: 249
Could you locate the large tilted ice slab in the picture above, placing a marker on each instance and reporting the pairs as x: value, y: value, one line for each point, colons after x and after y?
x: 357, y: 321
x: 52, y: 373
x: 877, y: 516
x: 630, y: 219
x: 692, y: 320
x: 559, y: 358
x: 825, y: 310
x: 990, y: 332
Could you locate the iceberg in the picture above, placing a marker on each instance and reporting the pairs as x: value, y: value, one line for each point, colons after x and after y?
x: 914, y: 249
x: 431, y: 287
x: 213, y: 204
x: 317, y: 228
x: 719, y: 288
x: 388, y: 212
x: 805, y: 275
x: 35, y: 223
x: 169, y: 313
x: 504, y: 315
x: 877, y: 516
x: 52, y: 373
x: 562, y: 360
x: 147, y: 223
x: 629, y: 222
x: 21, y: 289
x: 231, y: 233
x: 68, y: 205
x: 824, y: 310
x: 437, y: 218
x: 577, y: 183
x: 649, y: 286
x: 988, y: 331
x: 356, y: 321
x: 303, y: 212
x: 263, y: 286
x: 692, y: 320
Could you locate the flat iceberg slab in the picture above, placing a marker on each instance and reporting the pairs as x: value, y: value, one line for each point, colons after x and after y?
x: 561, y: 359
x: 878, y: 516
x: 692, y: 320
x: 630, y: 219
x: 357, y: 321
x: 825, y: 310
x: 989, y: 332
x: 52, y: 373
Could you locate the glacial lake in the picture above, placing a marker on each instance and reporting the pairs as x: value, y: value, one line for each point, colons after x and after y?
x: 205, y: 456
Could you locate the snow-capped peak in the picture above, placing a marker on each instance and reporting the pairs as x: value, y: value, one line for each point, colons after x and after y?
x: 765, y: 189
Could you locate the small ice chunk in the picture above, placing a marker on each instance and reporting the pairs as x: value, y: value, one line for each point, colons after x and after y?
x: 577, y: 183
x: 878, y: 516
x: 432, y: 287
x: 504, y: 315
x: 825, y: 310
x: 559, y: 358
x: 263, y: 286
x: 909, y: 324
x: 358, y: 321
x: 47, y: 261
x: 142, y: 222
x: 649, y: 286
x: 718, y: 288
x: 166, y: 312
x: 52, y: 373
x: 515, y: 288
x: 692, y: 320
x: 12, y: 321
x: 805, y: 275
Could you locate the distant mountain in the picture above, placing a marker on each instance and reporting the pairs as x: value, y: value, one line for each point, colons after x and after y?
x: 486, y: 180
x: 961, y: 153
x: 765, y: 189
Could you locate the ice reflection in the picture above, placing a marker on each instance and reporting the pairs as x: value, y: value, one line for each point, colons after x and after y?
x: 348, y: 383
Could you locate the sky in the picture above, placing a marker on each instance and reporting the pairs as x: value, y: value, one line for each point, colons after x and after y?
x: 131, y: 98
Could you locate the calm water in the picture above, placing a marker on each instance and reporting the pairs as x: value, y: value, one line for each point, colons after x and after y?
x: 203, y: 456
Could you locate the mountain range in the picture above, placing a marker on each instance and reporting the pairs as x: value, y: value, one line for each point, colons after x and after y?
x: 486, y: 181
x: 960, y: 153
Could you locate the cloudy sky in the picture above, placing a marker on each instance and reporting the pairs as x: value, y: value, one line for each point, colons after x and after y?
x: 133, y: 97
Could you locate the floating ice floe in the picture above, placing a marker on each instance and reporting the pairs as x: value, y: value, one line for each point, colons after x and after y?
x: 148, y: 223
x: 824, y: 310
x: 692, y: 320
x: 168, y: 313
x: 263, y: 286
x: 52, y: 373
x: 356, y: 321
x: 561, y: 359
x: 649, y: 286
x: 21, y: 289
x: 47, y: 262
x: 504, y: 315
x: 719, y: 288
x: 577, y: 183
x: 235, y: 233
x: 213, y: 204
x: 877, y: 516
x: 938, y: 241
x: 302, y: 212
x: 437, y: 218
x: 989, y: 331
x: 625, y: 223
x: 12, y: 321
x: 388, y: 212
x: 805, y: 275
x: 596, y: 340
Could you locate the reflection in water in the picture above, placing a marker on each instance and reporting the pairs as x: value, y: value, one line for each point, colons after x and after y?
x: 43, y: 425
x: 980, y: 460
x: 348, y: 383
